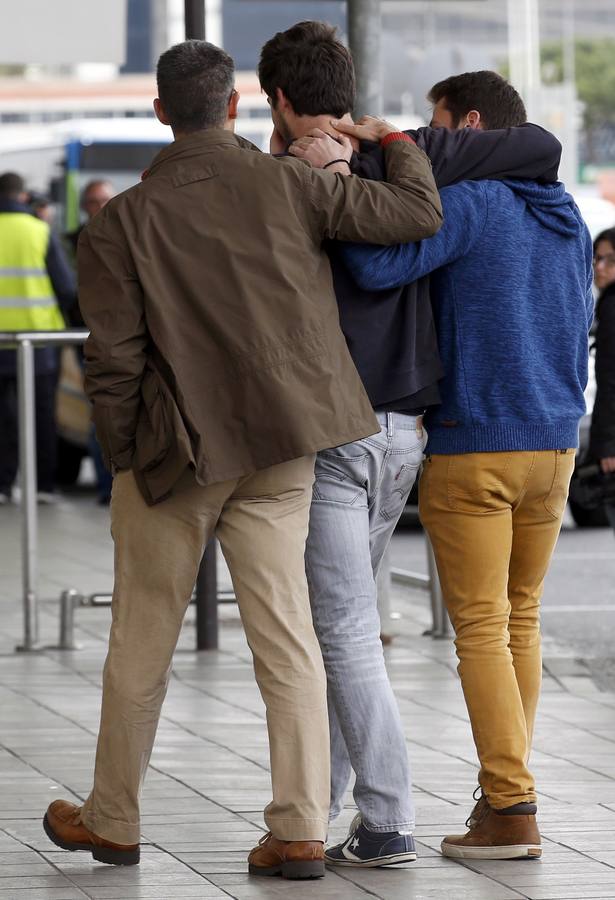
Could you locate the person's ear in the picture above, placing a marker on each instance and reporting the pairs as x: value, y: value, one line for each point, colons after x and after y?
x: 233, y: 104
x: 282, y: 103
x: 473, y: 119
x: 160, y: 113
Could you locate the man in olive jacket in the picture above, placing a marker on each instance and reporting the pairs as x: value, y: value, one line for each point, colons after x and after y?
x: 217, y: 368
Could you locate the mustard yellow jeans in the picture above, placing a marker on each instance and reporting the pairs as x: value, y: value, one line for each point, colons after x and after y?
x: 493, y: 520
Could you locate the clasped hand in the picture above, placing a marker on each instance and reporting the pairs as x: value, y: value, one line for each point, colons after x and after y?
x: 320, y: 148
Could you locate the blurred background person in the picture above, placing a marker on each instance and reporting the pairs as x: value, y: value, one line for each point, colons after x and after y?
x: 36, y: 287
x: 40, y: 206
x: 94, y: 196
x: 602, y: 434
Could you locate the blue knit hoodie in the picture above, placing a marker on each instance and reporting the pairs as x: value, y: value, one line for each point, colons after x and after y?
x: 512, y: 300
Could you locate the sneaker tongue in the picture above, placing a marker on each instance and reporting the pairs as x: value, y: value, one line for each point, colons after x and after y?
x: 519, y: 809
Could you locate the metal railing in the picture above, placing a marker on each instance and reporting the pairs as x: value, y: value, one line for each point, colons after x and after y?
x: 441, y: 625
x: 440, y: 622
x: 71, y: 600
x: 206, y: 595
x: 25, y: 342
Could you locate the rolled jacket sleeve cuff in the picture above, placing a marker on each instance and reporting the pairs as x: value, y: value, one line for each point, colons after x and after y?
x: 120, y: 462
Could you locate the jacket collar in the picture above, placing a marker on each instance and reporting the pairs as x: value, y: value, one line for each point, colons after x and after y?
x: 7, y: 205
x: 193, y: 145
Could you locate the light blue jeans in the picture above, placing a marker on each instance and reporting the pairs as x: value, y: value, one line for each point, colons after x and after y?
x: 359, y: 493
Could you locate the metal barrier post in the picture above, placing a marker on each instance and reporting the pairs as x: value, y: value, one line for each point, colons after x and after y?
x: 441, y: 621
x: 194, y: 19
x: 383, y: 585
x: 440, y: 627
x: 364, y: 28
x: 68, y: 601
x: 206, y: 594
x: 207, y: 600
x: 27, y: 468
x: 25, y: 342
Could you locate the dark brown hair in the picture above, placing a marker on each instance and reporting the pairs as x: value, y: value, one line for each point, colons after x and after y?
x: 498, y: 103
x: 607, y: 235
x: 312, y: 67
x: 11, y: 184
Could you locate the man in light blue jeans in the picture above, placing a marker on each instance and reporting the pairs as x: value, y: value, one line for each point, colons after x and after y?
x: 359, y: 493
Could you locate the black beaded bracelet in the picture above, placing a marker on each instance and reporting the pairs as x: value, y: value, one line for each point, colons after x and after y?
x: 333, y: 161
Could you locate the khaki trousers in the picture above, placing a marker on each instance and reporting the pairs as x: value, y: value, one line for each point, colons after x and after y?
x: 493, y: 520
x: 261, y: 522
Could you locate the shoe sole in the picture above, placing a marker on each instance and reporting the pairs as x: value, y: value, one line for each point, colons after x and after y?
x: 371, y: 863
x: 512, y: 851
x: 101, y: 854
x: 294, y: 870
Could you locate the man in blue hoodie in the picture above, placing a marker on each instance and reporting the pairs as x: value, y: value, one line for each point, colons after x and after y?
x: 500, y: 453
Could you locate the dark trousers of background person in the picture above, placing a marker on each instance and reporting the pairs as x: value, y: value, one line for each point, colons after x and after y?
x: 104, y: 479
x: 46, y: 441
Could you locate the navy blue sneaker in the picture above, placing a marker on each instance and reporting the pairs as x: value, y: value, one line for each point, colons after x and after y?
x: 371, y: 848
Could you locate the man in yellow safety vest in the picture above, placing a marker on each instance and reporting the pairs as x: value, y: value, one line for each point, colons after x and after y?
x: 36, y: 287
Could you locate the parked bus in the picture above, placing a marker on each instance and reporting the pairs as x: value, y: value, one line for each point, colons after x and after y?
x: 59, y: 159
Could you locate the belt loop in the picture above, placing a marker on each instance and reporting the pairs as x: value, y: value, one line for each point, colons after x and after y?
x: 389, y: 425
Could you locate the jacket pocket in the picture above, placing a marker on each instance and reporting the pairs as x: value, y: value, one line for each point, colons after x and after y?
x: 163, y: 445
x: 153, y: 439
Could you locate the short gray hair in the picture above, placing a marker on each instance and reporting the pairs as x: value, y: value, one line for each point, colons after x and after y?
x: 195, y: 83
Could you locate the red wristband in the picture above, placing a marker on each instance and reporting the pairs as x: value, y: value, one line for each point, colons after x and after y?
x: 396, y: 136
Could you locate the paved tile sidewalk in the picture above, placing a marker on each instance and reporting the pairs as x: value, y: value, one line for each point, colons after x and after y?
x: 209, y: 778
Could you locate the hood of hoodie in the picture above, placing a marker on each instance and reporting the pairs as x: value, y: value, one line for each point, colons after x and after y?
x: 551, y: 205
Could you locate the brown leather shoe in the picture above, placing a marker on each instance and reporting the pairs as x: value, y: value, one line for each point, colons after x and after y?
x: 64, y: 827
x: 509, y: 833
x: 290, y: 859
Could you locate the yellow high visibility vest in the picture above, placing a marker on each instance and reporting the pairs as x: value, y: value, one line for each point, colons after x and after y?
x: 27, y: 301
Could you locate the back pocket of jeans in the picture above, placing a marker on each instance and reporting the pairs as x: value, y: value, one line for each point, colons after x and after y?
x: 341, y: 479
x: 475, y: 481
